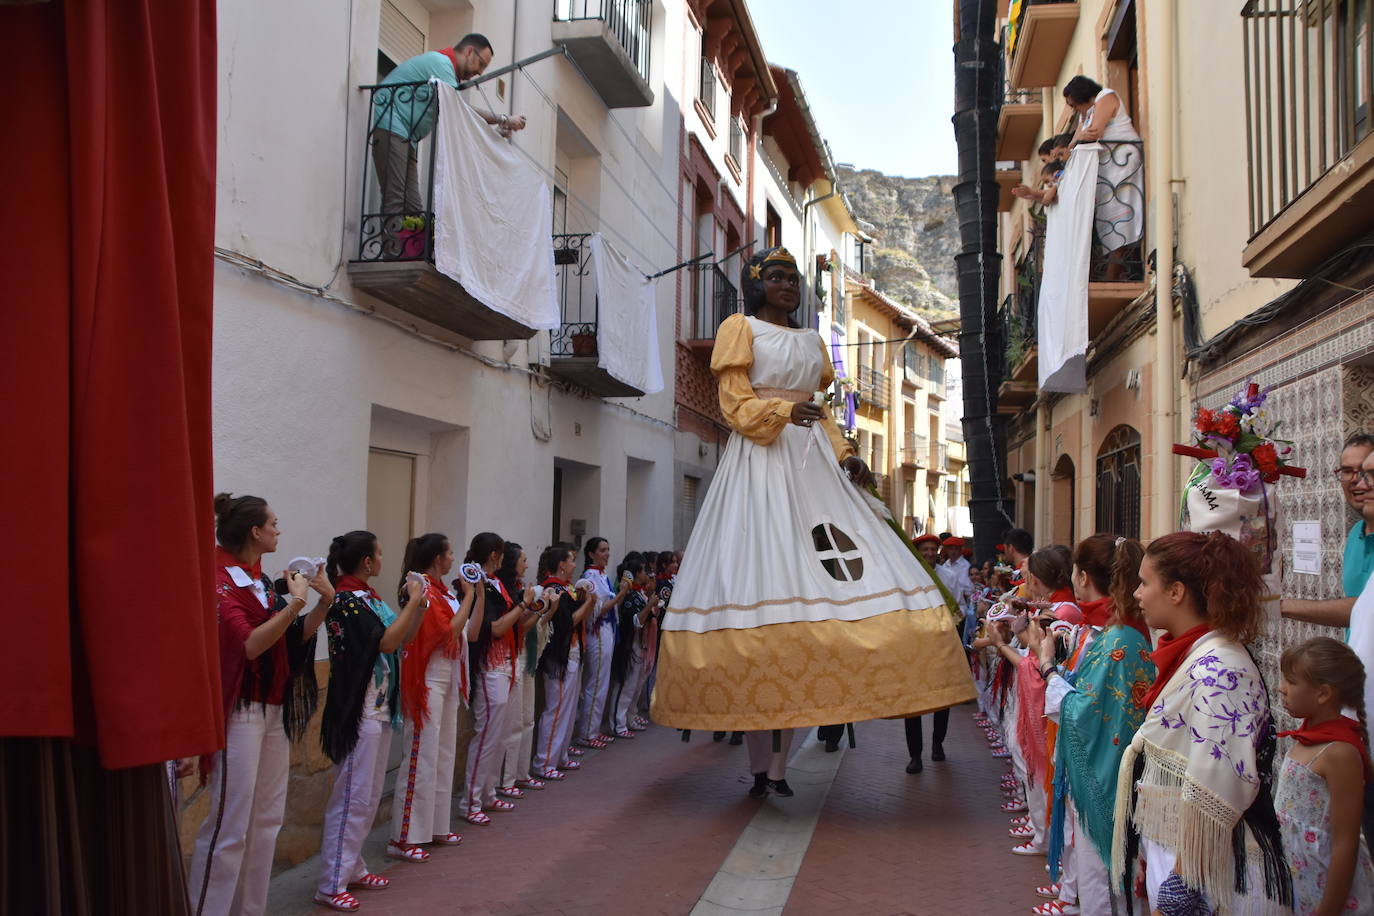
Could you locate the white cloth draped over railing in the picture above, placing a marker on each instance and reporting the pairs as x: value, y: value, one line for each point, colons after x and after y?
x: 1062, y: 308
x: 627, y: 319
x: 491, y: 213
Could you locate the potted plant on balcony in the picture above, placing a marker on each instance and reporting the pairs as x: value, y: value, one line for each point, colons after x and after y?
x: 411, y: 237
x: 584, y: 341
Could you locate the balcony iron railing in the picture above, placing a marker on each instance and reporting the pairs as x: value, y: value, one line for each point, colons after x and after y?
x: 577, y: 300
x: 916, y: 451
x: 1309, y: 78
x: 706, y: 88
x: 736, y: 145
x: 1119, y: 214
x: 714, y: 298
x: 1018, y: 311
x: 396, y: 220
x: 628, y: 20
x: 939, y: 457
x: 873, y: 387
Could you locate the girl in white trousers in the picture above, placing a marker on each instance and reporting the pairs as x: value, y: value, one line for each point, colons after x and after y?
x: 362, y: 708
x: 433, y: 685
x: 598, y: 647
x: 560, y: 662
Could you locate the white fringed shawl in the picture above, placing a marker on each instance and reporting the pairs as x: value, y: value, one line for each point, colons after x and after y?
x: 1199, y: 741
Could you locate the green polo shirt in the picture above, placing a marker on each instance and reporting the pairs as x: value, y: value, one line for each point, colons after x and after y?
x: 410, y: 112
x: 1359, y: 560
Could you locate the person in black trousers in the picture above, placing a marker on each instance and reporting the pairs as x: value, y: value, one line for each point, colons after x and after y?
x: 915, y: 740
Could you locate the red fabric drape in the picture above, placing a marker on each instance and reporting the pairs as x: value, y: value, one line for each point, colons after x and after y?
x: 109, y: 240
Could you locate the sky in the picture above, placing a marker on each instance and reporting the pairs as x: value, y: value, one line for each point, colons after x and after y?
x: 879, y: 75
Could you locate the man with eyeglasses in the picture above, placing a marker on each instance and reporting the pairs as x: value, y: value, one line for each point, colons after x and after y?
x: 1356, y: 476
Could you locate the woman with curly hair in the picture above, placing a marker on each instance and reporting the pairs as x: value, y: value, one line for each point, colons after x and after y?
x: 1192, y: 795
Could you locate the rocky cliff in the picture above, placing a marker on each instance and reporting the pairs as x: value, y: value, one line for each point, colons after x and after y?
x: 917, y: 236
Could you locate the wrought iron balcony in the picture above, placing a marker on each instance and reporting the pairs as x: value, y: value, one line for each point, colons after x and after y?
x: 1019, y: 119
x: 713, y: 298
x: 916, y: 451
x: 395, y: 257
x: 1309, y: 79
x: 573, y: 352
x: 609, y: 42
x: 874, y: 388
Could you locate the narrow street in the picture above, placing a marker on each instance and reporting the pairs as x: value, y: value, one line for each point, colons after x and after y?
x: 657, y: 826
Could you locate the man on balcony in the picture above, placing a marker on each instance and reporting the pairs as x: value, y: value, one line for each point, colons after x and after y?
x: 402, y: 117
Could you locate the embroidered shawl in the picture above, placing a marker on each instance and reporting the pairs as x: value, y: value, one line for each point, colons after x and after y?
x: 1202, y: 759
x: 355, y: 626
x: 1096, y: 723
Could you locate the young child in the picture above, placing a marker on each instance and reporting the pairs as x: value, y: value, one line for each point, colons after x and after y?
x: 1320, y: 794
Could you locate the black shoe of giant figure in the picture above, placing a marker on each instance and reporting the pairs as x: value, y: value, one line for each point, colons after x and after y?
x: 717, y: 736
x: 781, y: 788
x: 736, y: 738
x: 832, y: 745
x: 915, y: 765
x: 760, y: 787
x: 937, y: 753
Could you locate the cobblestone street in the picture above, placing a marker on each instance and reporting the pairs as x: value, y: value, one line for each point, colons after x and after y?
x: 646, y: 826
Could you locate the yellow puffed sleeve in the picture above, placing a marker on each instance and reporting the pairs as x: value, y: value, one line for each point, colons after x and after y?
x: 759, y: 419
x: 838, y: 442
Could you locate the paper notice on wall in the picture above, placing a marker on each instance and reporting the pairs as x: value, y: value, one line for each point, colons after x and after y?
x: 1307, y: 548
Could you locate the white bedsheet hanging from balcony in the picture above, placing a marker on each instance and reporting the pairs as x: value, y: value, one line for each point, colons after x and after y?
x: 1062, y: 308
x: 491, y: 213
x: 627, y: 319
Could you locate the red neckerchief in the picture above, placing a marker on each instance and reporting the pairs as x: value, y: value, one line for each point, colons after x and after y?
x: 453, y: 59
x: 226, y: 559
x: 1168, y: 656
x: 1097, y: 612
x: 354, y: 584
x: 1061, y: 595
x: 1341, y: 728
x: 492, y: 580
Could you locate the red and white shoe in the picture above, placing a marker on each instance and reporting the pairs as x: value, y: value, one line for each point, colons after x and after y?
x: 1056, y: 908
x: 529, y: 784
x: 1025, y: 819
x: 552, y: 773
x: 446, y: 839
x: 576, y: 752
x: 570, y: 765
x: 1015, y: 806
x: 343, y: 901
x: 510, y: 792
x: 1024, y: 832
x: 1048, y: 891
x: 1027, y: 849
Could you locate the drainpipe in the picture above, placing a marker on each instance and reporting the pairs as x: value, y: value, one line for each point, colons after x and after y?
x: 1043, y: 534
x: 1160, y: 54
x: 808, y: 244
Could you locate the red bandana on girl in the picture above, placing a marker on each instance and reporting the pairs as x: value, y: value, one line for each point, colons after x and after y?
x: 1168, y: 656
x: 1341, y: 728
x: 1097, y: 612
x: 352, y: 583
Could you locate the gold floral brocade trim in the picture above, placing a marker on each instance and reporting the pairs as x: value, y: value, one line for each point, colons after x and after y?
x: 791, y: 675
x: 794, y: 395
x: 834, y: 602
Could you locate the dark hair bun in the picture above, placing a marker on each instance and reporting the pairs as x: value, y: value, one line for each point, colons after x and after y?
x: 224, y: 502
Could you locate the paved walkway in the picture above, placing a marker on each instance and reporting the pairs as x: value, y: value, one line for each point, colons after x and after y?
x: 655, y: 826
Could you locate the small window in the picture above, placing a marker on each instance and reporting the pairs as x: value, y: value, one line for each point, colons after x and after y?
x: 706, y: 88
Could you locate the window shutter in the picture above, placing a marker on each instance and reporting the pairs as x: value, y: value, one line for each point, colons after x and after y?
x: 398, y: 38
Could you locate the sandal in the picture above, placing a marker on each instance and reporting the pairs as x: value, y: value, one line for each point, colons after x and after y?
x: 501, y: 805
x: 1055, y: 908
x: 511, y: 792
x: 605, y: 739
x: 576, y: 752
x: 1023, y: 832
x: 1048, y: 891
x: 406, y: 852
x: 596, y: 743
x: 370, y: 882
x: 529, y: 784
x: 624, y: 733
x: 1002, y: 754
x: 1019, y: 821
x: 448, y: 839
x: 478, y: 818
x: 1028, y: 849
x: 570, y: 765
x: 552, y: 773
x: 1014, y: 807
x: 343, y: 901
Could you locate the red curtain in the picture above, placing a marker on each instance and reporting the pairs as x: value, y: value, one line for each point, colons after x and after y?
x: 106, y: 253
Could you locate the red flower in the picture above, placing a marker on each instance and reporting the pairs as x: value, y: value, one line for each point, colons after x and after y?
x: 1227, y: 425
x: 1267, y: 460
x: 1118, y: 654
x: 1138, y: 691
x: 1145, y: 656
x: 1116, y: 739
x: 1205, y: 421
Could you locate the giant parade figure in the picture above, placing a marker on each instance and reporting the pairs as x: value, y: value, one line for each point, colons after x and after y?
x: 796, y: 603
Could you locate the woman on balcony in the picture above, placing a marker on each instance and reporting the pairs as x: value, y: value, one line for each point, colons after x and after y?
x: 796, y: 605
x: 1119, y: 216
